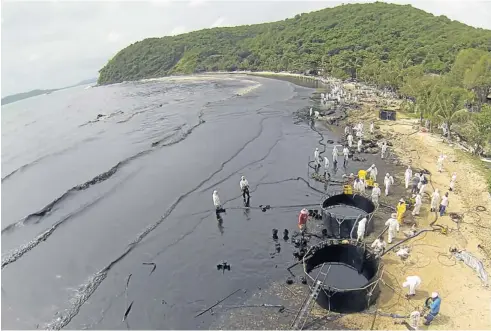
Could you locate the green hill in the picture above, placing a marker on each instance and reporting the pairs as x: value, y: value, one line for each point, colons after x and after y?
x: 355, y: 40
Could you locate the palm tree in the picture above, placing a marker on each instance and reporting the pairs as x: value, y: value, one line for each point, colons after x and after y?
x: 450, y: 106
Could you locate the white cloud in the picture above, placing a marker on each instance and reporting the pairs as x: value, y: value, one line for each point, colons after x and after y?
x: 178, y: 30
x: 218, y: 22
x: 66, y: 35
x: 113, y: 37
x: 196, y: 3
x: 33, y: 57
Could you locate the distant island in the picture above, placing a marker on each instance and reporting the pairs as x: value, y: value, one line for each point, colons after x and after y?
x: 20, y: 96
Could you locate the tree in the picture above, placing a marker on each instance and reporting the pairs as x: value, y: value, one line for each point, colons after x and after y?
x: 450, y: 106
x: 478, y: 130
x: 478, y: 78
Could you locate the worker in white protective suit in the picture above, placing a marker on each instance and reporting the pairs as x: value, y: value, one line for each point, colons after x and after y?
x: 360, y: 232
x: 388, y: 181
x: 417, y: 205
x: 435, y: 201
x: 346, y: 130
x: 350, y: 140
x: 376, y: 192
x: 346, y: 155
x: 359, y: 145
x: 311, y: 111
x: 216, y: 203
x: 439, y: 162
x: 335, y: 154
x: 379, y: 246
x: 373, y: 172
x: 413, y: 283
x: 326, y: 163
x: 244, y: 187
x: 358, y: 186
x: 317, y: 159
x: 393, y: 225
x: 423, y: 183
x: 372, y: 127
x: 452, y: 181
x: 384, y: 150
x: 407, y: 176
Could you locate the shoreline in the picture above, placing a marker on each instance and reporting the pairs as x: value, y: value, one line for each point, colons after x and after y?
x: 429, y: 256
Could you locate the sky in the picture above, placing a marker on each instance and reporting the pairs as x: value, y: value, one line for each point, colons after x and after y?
x: 50, y: 44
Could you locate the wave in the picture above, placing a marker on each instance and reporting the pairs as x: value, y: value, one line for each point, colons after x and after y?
x: 36, y: 216
x: 60, y: 152
x: 84, y: 292
x: 17, y: 253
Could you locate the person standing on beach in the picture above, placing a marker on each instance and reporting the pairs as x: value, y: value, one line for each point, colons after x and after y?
x: 350, y: 140
x: 452, y: 181
x: 317, y: 159
x: 415, y: 184
x: 388, y: 181
x: 393, y: 226
x: 335, y: 154
x: 407, y: 176
x: 359, y: 145
x: 401, y: 209
x: 376, y: 192
x: 439, y: 162
x: 435, y: 201
x: 372, y: 127
x: 346, y: 155
x: 444, y: 204
x: 417, y: 205
x: 383, y: 149
x: 373, y: 172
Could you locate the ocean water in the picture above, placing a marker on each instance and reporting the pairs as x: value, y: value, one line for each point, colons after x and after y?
x: 90, y: 207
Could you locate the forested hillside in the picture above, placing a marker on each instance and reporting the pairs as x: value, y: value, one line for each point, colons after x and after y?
x: 376, y: 42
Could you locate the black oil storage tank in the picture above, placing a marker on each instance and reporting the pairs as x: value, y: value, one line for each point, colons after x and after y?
x: 342, y: 212
x: 348, y: 275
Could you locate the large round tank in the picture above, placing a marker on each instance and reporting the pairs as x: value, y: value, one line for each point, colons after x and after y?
x: 342, y: 212
x: 349, y: 274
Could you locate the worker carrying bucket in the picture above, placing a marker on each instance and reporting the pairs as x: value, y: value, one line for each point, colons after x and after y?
x: 302, y: 219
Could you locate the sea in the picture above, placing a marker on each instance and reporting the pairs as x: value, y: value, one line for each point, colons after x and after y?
x: 107, y: 212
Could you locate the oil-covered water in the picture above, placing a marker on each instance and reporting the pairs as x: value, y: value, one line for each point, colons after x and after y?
x: 340, y: 276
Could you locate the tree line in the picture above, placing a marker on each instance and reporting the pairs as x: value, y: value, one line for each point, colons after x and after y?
x: 441, y: 67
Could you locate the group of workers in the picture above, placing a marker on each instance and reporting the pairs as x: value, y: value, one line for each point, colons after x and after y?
x: 413, y: 282
x: 244, y: 188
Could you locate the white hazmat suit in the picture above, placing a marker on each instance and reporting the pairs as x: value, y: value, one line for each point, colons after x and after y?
x: 439, y: 163
x: 216, y: 200
x: 243, y: 183
x: 371, y: 127
x: 388, y: 181
x: 360, y: 232
x: 335, y: 154
x: 326, y: 163
x: 379, y: 246
x: 359, y: 145
x: 373, y: 172
x: 435, y: 200
x: 384, y: 150
x: 417, y: 205
x: 376, y: 192
x: 346, y: 153
x: 316, y: 157
x: 350, y: 140
x: 407, y: 176
x: 393, y: 227
x: 413, y: 282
